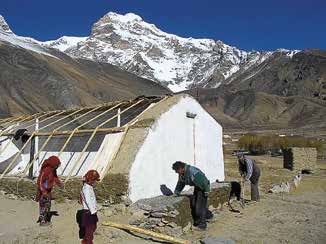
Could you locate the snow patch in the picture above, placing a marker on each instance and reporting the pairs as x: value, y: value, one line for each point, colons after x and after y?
x: 24, y: 42
x: 63, y: 43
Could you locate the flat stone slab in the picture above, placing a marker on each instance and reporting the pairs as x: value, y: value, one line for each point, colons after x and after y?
x: 178, y: 209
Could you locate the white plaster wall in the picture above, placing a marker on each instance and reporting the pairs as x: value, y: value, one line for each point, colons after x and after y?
x: 171, y: 139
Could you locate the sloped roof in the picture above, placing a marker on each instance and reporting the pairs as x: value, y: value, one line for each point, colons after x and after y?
x: 58, y: 130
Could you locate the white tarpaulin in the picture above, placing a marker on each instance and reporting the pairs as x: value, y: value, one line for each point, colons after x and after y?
x: 106, y: 152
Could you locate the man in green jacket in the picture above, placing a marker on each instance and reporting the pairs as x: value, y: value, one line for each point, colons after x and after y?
x: 190, y: 175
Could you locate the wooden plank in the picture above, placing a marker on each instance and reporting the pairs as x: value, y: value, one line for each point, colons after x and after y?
x: 146, y: 232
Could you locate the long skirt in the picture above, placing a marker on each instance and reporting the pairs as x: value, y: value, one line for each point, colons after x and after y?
x: 88, y: 226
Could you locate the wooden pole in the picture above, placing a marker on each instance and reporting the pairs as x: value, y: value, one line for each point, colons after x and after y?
x: 85, y: 123
x: 23, y: 147
x: 6, y: 119
x: 68, y: 132
x: 92, y: 136
x: 16, y: 156
x: 18, y: 124
x: 134, y: 120
x: 10, y: 134
x: 47, y: 141
x: 146, y: 232
x: 22, y: 125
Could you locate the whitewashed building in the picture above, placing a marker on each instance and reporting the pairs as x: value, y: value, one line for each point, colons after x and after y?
x: 140, y: 138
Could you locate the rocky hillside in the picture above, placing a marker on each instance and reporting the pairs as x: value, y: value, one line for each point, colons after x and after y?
x: 302, y: 75
x: 278, y: 93
x: 35, y: 78
x: 252, y: 110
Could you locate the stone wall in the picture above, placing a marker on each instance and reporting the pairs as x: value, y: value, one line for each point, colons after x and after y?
x: 299, y: 159
x: 172, y: 215
x: 112, y: 188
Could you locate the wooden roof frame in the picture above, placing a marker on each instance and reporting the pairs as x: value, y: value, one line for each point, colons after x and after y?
x: 68, y: 113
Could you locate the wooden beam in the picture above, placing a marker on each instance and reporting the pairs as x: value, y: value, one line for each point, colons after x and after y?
x: 47, y: 141
x: 85, y: 123
x: 134, y: 120
x: 127, y: 126
x: 93, y: 134
x: 68, y: 132
x: 18, y: 123
x: 146, y: 232
x: 24, y: 146
x: 6, y: 119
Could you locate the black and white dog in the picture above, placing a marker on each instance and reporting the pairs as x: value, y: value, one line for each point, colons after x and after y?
x: 235, y: 193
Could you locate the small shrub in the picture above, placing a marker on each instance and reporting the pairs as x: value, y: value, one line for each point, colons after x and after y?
x: 261, y: 144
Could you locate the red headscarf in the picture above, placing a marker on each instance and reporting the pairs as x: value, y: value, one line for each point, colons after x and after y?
x: 91, y: 176
x: 52, y: 162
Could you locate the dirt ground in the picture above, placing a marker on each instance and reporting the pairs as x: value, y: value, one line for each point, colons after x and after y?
x: 295, y: 217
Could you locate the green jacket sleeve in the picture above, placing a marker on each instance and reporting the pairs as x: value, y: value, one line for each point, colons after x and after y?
x: 202, y: 182
x: 179, y: 187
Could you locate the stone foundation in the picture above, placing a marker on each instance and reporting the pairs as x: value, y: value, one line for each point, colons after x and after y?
x: 172, y: 215
x: 112, y: 188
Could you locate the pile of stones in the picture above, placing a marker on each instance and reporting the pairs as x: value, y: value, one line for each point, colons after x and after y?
x: 172, y: 215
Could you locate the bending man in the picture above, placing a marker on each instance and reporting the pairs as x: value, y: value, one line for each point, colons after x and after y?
x: 190, y: 175
x: 250, y: 172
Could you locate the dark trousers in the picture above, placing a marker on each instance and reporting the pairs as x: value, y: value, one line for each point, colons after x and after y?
x: 254, y: 192
x: 44, y: 208
x: 199, y: 208
x: 254, y: 179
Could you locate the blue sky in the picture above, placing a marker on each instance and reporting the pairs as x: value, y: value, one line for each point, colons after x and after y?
x: 250, y: 24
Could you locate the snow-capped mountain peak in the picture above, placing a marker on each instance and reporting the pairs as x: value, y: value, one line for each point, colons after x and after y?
x: 4, y: 26
x: 129, y: 17
x: 179, y: 63
x: 64, y: 42
x: 129, y: 42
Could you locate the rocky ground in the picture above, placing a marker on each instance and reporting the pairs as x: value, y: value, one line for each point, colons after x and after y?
x: 295, y: 217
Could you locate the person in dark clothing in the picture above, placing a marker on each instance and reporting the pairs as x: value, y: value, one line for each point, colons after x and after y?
x: 250, y: 172
x: 190, y: 175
